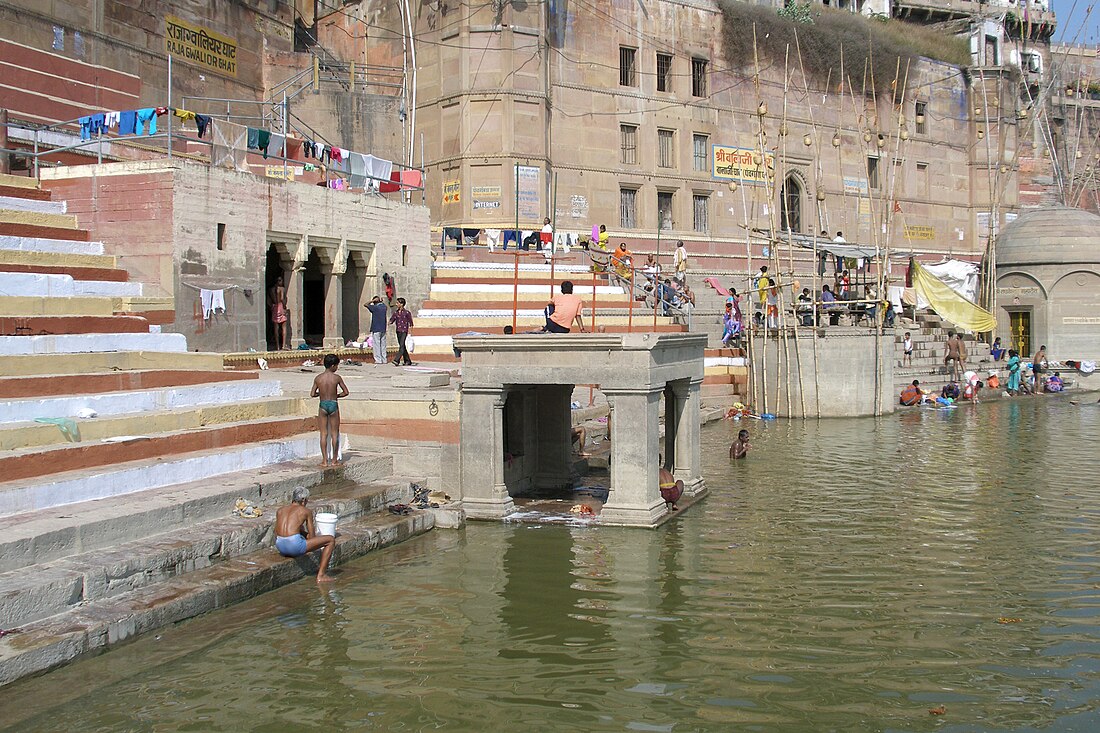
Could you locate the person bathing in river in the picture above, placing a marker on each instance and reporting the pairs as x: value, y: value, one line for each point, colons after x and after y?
x: 329, y: 387
x: 740, y: 447
x: 295, y: 534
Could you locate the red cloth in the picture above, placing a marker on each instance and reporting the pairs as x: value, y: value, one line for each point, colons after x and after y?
x: 713, y: 282
x: 404, y: 178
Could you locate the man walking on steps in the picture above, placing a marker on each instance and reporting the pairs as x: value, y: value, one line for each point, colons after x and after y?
x: 402, y: 321
x: 295, y: 534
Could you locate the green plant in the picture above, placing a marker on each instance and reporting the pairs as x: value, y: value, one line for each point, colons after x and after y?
x: 796, y: 12
x: 835, y: 34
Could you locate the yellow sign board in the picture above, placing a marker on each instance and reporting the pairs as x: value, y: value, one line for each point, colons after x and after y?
x: 738, y: 164
x: 278, y: 171
x: 452, y: 192
x: 920, y: 232
x: 200, y: 46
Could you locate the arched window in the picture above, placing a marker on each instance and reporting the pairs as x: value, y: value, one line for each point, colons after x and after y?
x: 790, y: 204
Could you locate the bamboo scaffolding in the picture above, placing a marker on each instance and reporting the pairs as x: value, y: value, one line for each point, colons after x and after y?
x: 761, y: 112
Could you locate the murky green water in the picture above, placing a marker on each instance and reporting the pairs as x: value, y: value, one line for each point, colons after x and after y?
x: 848, y: 577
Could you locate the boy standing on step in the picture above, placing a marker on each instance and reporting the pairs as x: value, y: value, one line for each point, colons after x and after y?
x: 330, y: 387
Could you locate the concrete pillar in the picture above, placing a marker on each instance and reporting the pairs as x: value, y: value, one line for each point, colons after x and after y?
x: 484, y: 493
x: 688, y: 465
x: 553, y: 423
x: 334, y: 308
x: 295, y: 305
x: 635, y: 448
x: 671, y: 416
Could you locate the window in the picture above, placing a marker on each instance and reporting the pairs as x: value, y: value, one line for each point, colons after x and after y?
x: 628, y: 75
x: 666, y: 153
x: 922, y: 180
x: 628, y: 144
x: 664, y: 211
x: 790, y: 205
x: 872, y: 173
x: 699, y: 157
x: 221, y: 236
x: 921, y: 111
x: 628, y: 208
x: 700, y: 212
x: 664, y: 73
x: 698, y: 77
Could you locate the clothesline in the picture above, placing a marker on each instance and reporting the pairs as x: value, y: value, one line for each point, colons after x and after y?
x: 133, y: 121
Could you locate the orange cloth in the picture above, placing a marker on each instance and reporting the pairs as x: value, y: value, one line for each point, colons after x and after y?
x: 911, y: 395
x: 566, y: 309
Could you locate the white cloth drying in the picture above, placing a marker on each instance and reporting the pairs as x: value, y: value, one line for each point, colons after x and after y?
x: 212, y: 300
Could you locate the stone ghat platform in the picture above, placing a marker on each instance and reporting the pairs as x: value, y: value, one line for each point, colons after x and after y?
x: 88, y: 576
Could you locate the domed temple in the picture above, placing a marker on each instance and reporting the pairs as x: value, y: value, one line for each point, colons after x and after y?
x: 1048, y: 282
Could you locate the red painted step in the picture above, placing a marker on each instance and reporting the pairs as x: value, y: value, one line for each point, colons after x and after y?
x: 53, y: 325
x: 76, y: 273
x: 18, y: 192
x: 73, y: 457
x: 10, y: 229
x: 66, y: 384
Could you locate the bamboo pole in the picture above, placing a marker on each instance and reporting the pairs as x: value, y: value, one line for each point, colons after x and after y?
x: 818, y: 181
x: 779, y: 166
x: 761, y: 112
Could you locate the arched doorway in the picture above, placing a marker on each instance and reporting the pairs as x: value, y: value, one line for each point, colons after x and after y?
x: 790, y: 204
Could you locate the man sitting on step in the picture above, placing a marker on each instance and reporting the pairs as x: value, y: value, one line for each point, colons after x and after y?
x: 295, y: 535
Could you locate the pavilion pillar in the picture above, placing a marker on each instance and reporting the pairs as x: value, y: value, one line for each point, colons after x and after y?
x: 635, y: 497
x: 688, y: 465
x: 484, y: 493
x: 295, y: 295
x: 334, y: 308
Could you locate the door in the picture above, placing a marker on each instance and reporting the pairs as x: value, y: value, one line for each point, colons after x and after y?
x: 1019, y: 327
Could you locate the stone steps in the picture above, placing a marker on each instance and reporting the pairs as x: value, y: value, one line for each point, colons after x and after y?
x: 108, y: 361
x: 138, y: 400
x: 51, y: 246
x: 67, y: 325
x: 20, y: 435
x: 11, y: 256
x: 79, y: 343
x: 60, y: 585
x: 38, y: 285
x: 32, y: 204
x: 49, y: 385
x: 71, y: 487
x: 43, y: 645
x: 42, y: 462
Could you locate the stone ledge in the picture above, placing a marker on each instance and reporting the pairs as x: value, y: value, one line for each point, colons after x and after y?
x: 43, y: 645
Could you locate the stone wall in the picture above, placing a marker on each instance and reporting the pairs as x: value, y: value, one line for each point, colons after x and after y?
x: 846, y: 381
x: 162, y: 220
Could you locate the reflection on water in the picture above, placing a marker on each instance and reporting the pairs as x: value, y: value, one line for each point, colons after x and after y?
x: 848, y: 576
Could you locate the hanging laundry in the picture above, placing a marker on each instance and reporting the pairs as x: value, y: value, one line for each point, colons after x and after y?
x: 110, y: 120
x: 294, y: 147
x: 511, y: 235
x: 492, y: 238
x: 308, y: 149
x: 127, y: 122
x: 275, y: 145
x: 161, y: 111
x: 201, y: 122
x: 253, y: 138
x: 149, y: 114
x: 212, y: 301
x: 97, y: 123
x: 358, y: 169
x: 85, y: 128
x: 229, y: 145
x: 379, y: 169
x: 309, y: 167
x: 338, y: 154
x: 263, y: 137
x: 185, y: 114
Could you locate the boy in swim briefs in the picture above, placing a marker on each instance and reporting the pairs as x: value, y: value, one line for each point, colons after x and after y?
x: 330, y: 387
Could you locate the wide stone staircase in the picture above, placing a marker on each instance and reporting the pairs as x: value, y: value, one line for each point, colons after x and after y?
x: 929, y: 333
x: 478, y: 294
x: 122, y: 456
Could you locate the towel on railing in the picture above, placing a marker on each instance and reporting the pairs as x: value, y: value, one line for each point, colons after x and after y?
x: 713, y: 282
x: 127, y: 122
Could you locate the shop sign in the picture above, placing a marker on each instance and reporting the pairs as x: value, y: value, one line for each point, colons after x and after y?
x: 486, y: 197
x: 452, y: 191
x: 201, y: 46
x: 920, y: 232
x: 737, y: 164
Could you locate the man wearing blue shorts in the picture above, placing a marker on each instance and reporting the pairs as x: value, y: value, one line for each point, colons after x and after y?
x: 295, y: 535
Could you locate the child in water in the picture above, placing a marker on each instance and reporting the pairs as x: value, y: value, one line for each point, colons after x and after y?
x: 740, y: 447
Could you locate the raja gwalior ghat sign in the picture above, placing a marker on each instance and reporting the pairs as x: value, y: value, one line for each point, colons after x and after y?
x: 741, y: 164
x: 200, y: 46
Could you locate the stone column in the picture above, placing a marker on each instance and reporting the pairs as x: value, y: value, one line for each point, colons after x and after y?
x: 635, y: 494
x: 484, y: 493
x: 295, y: 300
x: 334, y: 308
x: 689, y: 462
x: 554, y: 449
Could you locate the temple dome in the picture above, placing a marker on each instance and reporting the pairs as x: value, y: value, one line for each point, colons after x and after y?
x: 1057, y: 235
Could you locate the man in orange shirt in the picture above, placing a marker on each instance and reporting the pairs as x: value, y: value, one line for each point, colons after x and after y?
x: 564, y: 309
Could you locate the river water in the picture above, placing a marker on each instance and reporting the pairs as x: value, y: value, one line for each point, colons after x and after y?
x: 851, y: 575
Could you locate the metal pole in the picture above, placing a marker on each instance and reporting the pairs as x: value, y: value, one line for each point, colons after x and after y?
x: 36, y: 153
x: 517, y: 209
x: 657, y: 275
x: 170, y: 113
x: 286, y: 116
x: 515, y: 292
x: 5, y: 158
x: 593, y: 329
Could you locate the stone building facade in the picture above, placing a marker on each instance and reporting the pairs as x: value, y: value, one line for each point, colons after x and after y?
x: 183, y: 227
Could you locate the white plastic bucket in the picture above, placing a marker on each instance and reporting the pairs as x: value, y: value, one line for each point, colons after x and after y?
x: 326, y: 523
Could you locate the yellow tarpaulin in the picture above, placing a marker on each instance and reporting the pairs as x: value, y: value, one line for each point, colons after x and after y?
x: 948, y: 304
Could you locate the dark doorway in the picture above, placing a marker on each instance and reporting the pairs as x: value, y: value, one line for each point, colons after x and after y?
x: 790, y: 218
x: 274, y: 270
x: 313, y: 301
x: 351, y: 283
